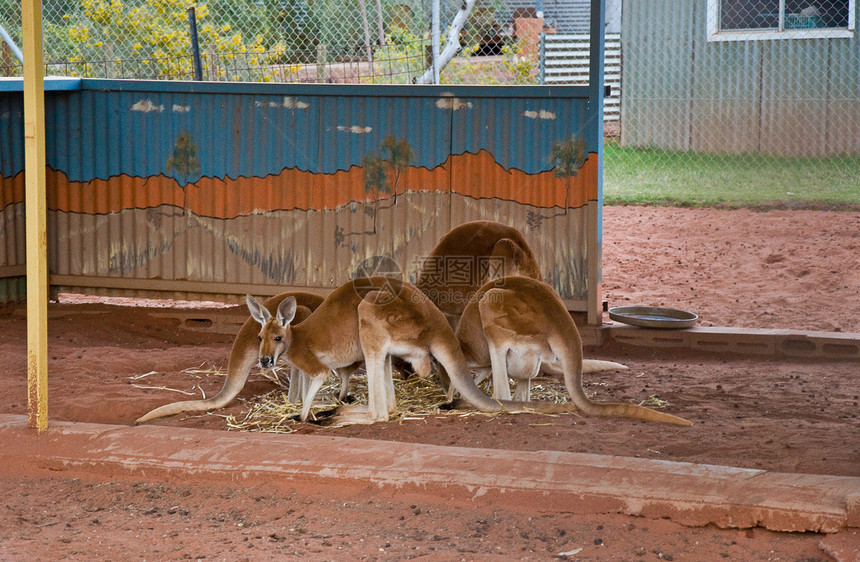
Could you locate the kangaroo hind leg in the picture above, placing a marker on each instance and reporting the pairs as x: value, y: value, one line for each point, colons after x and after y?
x: 313, y: 386
x: 344, y: 373
x: 523, y: 365
x: 499, y: 363
x: 375, y: 340
x: 378, y: 366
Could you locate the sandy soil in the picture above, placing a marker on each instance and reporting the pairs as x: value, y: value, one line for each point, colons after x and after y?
x: 775, y: 269
x: 91, y: 519
x: 740, y: 268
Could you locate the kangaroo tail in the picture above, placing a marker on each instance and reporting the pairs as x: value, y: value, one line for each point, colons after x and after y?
x: 243, y: 357
x: 635, y: 412
x: 450, y: 357
x: 588, y: 366
x: 569, y: 351
x: 597, y: 365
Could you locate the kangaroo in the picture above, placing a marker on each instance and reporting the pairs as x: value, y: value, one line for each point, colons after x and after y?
x: 521, y: 327
x: 472, y: 242
x: 371, y: 319
x: 478, y: 246
x: 243, y: 356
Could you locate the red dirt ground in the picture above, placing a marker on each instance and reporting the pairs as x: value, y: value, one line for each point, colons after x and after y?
x: 741, y: 268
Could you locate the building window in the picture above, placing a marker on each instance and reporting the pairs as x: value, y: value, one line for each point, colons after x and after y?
x: 739, y: 20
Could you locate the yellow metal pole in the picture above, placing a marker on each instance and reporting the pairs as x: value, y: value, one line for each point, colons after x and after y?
x: 35, y: 207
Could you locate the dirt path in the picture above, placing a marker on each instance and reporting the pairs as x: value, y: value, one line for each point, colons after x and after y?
x: 87, y: 519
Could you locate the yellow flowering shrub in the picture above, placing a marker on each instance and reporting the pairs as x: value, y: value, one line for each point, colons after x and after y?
x: 153, y: 35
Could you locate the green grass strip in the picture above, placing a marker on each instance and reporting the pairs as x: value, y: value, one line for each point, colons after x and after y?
x: 637, y: 176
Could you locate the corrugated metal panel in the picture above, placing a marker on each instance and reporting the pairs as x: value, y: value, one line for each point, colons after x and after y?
x: 549, y: 121
x: 565, y: 16
x: 793, y: 97
x: 568, y: 16
x: 725, y: 103
x: 248, y: 138
x: 13, y: 290
x: 12, y: 242
x: 566, y: 61
x: 11, y: 134
x: 658, y: 77
x: 234, y: 188
x: 843, y: 107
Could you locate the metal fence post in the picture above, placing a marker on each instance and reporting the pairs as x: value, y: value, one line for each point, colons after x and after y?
x: 542, y: 58
x: 594, y: 138
x: 321, y: 62
x: 195, y: 44
x: 434, y: 39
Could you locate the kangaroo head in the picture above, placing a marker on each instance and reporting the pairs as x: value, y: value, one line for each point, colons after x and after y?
x: 275, y: 335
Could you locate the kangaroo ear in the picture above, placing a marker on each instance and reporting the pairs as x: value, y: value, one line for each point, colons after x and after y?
x: 286, y: 311
x: 511, y: 255
x: 259, y: 312
x: 517, y: 261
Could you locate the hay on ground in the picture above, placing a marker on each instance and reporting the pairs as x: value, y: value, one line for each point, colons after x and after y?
x: 417, y: 398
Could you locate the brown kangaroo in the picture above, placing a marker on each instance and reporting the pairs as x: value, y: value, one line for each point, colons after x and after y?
x: 521, y: 327
x: 371, y: 319
x: 478, y: 244
x: 472, y: 242
x: 243, y: 356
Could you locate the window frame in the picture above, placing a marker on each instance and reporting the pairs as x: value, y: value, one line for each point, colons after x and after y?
x: 717, y: 34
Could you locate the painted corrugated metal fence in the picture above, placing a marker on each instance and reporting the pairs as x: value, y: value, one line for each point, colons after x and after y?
x: 197, y: 188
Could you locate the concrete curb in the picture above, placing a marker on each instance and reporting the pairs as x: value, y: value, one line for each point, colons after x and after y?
x: 743, y: 341
x: 551, y: 481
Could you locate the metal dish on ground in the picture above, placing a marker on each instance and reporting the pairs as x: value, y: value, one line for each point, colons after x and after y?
x: 653, y: 317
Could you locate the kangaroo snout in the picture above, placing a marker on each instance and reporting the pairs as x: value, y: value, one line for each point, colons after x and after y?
x: 267, y: 362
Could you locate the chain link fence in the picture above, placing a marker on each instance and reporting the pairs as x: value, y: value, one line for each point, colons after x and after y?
x: 737, y: 100
x: 753, y: 95
x: 328, y: 41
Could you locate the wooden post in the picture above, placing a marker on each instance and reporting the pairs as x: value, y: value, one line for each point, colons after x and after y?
x: 35, y: 208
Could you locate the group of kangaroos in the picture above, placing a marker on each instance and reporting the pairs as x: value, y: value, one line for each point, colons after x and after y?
x: 511, y: 327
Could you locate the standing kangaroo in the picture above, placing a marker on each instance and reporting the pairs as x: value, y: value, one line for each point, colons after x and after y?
x: 523, y: 326
x: 371, y: 319
x: 243, y: 356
